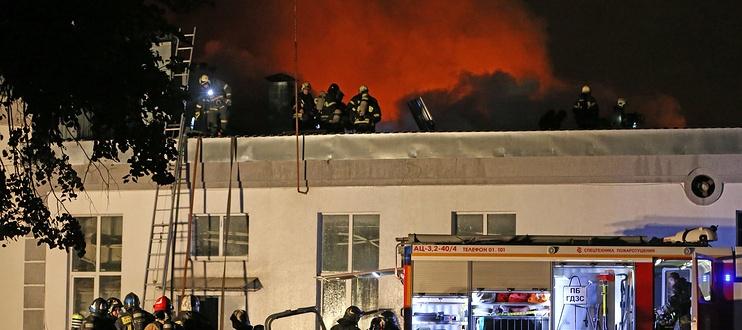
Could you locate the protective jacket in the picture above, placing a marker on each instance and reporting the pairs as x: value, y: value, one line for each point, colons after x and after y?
x: 586, y: 111
x: 163, y: 325
x: 344, y: 324
x: 331, y: 110
x: 680, y: 300
x: 96, y: 322
x: 365, y: 112
x: 77, y: 320
x: 212, y: 107
x: 137, y: 319
x: 307, y: 111
x: 193, y: 321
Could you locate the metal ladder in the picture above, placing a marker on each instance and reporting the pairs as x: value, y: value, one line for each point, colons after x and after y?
x: 171, y: 205
x: 184, y: 50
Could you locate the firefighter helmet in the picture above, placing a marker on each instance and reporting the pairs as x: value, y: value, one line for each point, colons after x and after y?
x: 131, y: 301
x: 99, y: 306
x: 163, y: 304
x: 585, y: 89
x: 306, y: 85
x: 353, y: 314
x: 239, y: 318
x: 114, y: 304
x: 621, y: 102
x: 190, y: 303
x: 334, y: 88
x: 363, y: 89
x: 390, y: 319
x: 203, y: 80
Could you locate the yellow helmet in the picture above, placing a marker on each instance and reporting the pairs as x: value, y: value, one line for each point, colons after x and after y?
x: 363, y: 89
x: 306, y: 85
x: 585, y: 89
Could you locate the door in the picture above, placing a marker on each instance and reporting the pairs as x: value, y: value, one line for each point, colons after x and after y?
x: 210, y: 309
x: 712, y: 295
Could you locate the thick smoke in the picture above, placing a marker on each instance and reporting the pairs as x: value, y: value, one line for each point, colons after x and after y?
x: 394, y: 47
x: 480, y: 65
x: 485, y: 102
x: 686, y: 50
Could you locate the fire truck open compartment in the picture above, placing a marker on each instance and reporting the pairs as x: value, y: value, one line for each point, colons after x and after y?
x: 579, y: 285
x: 593, y: 296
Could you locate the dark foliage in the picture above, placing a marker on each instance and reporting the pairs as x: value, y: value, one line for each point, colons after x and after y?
x: 63, y: 60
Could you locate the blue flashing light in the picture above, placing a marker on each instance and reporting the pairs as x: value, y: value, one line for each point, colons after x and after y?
x: 727, y: 277
x: 210, y: 92
x: 407, y: 260
x: 705, y: 278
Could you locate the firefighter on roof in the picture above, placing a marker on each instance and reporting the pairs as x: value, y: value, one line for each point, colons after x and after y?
x: 331, y: 110
x: 307, y: 112
x: 586, y: 110
x: 364, y: 111
x: 213, y: 99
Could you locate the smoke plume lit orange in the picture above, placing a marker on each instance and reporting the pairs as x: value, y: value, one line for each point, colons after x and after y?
x: 663, y: 111
x: 394, y: 47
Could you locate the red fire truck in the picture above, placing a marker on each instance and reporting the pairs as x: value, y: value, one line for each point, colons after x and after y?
x: 559, y: 283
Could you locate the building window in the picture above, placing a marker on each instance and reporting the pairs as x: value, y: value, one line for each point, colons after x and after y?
x: 98, y: 272
x: 212, y: 238
x: 483, y: 223
x: 349, y: 243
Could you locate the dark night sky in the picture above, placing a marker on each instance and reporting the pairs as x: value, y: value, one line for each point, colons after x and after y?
x: 489, y: 64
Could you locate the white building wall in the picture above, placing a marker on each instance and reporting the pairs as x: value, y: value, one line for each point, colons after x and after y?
x: 11, y: 286
x: 283, y: 229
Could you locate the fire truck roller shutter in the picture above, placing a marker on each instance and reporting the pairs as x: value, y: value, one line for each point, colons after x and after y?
x: 518, y: 275
x: 440, y: 277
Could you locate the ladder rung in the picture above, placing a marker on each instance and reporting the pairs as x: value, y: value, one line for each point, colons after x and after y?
x: 166, y: 224
x: 159, y: 268
x: 178, y: 208
x: 162, y: 254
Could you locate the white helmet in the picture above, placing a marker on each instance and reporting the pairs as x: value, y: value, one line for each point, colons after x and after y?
x: 621, y: 102
x: 585, y: 89
x: 203, y: 80
x: 190, y: 303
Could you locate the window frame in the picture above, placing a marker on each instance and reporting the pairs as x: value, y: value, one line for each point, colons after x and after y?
x: 222, y: 236
x: 97, y: 273
x: 484, y: 215
x: 348, y: 283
